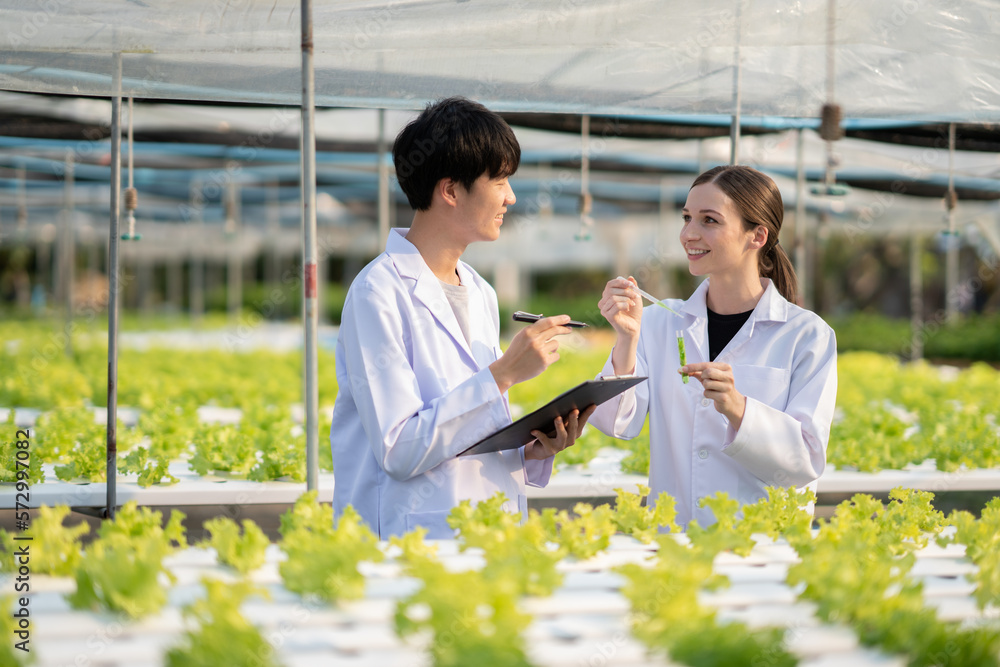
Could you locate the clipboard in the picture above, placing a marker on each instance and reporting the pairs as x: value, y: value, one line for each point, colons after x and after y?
x: 583, y: 395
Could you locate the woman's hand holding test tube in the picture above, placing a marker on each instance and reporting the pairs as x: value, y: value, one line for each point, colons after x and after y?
x: 621, y: 306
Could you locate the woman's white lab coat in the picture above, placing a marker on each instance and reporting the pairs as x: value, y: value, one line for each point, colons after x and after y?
x: 784, y: 361
x: 413, y: 394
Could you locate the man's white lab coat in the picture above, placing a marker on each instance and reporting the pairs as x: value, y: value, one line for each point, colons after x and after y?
x: 413, y: 393
x: 784, y: 361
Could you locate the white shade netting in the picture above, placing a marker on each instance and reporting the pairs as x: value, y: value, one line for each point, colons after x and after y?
x: 916, y: 59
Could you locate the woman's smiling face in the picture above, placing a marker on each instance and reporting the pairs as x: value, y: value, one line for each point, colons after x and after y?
x: 714, y: 236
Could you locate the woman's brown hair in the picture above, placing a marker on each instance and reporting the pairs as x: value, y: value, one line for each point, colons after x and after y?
x: 758, y: 201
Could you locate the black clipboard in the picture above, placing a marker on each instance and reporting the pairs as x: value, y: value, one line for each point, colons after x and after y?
x: 580, y: 397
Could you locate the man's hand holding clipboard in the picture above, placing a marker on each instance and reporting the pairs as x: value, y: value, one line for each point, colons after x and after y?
x: 582, y: 398
x: 547, y: 444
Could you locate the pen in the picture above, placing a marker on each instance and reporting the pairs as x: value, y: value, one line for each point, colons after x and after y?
x: 521, y: 316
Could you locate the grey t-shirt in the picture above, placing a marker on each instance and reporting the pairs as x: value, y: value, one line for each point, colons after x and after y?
x: 458, y: 297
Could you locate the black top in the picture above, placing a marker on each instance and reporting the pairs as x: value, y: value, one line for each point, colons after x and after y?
x: 721, y: 329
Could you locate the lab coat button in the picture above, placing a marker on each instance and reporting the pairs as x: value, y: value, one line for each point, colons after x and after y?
x: 702, y: 453
x: 705, y: 402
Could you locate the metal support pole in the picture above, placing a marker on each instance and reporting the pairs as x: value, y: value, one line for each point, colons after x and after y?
x: 916, y: 300
x: 545, y: 203
x: 113, y: 286
x: 146, y: 280
x: 309, y: 283
x: 383, y: 182
x: 69, y: 251
x: 585, y: 155
x: 51, y: 264
x: 830, y: 175
x: 734, y: 130
x: 22, y: 199
x: 664, y: 236
x: 234, y: 269
x: 43, y: 260
x: 990, y: 235
x: 801, y: 230
x: 952, y: 300
x: 815, y: 249
x: 93, y: 256
x: 831, y: 54
x: 197, y: 275
x: 586, y: 201
x: 175, y: 284
x: 214, y: 276
x: 272, y: 270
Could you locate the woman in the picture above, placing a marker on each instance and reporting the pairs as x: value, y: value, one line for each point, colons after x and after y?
x: 759, y: 413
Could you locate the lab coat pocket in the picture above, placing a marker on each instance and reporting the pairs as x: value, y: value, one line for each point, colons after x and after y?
x: 436, y: 523
x: 763, y: 383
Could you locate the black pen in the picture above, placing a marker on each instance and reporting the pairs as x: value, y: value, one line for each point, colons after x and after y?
x: 521, y: 316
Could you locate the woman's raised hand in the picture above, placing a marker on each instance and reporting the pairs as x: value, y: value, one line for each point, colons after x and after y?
x: 622, y: 307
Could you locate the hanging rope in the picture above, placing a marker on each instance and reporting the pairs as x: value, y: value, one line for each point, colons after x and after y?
x: 831, y: 115
x: 585, y: 233
x: 734, y: 128
x: 131, y: 195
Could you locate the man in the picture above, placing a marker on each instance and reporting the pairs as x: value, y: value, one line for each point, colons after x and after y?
x: 420, y: 371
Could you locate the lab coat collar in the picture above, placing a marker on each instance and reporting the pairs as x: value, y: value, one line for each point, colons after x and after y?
x: 404, y: 255
x: 696, y: 323
x: 772, y: 307
x: 427, y: 288
x: 695, y: 304
x: 408, y: 260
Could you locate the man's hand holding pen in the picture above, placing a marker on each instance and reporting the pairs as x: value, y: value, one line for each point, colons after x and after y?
x: 531, y: 351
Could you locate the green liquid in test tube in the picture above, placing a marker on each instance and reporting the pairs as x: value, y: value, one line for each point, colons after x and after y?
x: 682, y: 354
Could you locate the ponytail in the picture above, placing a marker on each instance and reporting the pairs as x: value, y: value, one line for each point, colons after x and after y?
x: 776, y: 265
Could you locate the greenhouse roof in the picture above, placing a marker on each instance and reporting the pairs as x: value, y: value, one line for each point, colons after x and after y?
x: 937, y: 60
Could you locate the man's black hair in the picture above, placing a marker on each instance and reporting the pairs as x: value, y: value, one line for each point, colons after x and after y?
x: 455, y: 138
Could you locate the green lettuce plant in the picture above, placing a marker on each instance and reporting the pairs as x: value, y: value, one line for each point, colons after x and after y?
x: 219, y: 634
x: 121, y: 570
x: 243, y: 552
x: 323, y: 558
